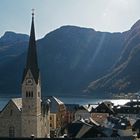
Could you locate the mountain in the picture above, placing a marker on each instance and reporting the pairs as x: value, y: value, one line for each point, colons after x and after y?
x: 73, y: 59
x: 13, y: 38
x: 12, y: 46
x: 69, y: 58
x: 125, y: 76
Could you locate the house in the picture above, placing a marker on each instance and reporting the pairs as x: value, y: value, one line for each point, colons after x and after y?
x: 57, y: 114
x: 82, y: 112
x: 136, y: 127
x: 83, y: 129
x: 121, y: 123
x: 100, y: 118
x: 104, y: 107
x: 70, y: 112
x: 10, y: 117
x: 77, y: 128
x: 132, y: 112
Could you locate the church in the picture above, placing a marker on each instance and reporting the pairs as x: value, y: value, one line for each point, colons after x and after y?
x: 29, y: 115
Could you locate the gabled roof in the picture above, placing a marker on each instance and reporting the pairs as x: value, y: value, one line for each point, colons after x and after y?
x: 128, y: 110
x: 54, y: 103
x: 136, y: 125
x: 90, y: 107
x: 85, y: 128
x: 58, y: 101
x: 17, y: 102
x: 3, y: 103
x: 71, y: 107
x: 105, y: 107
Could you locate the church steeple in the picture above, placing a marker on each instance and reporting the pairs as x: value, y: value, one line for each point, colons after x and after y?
x: 31, y: 91
x: 32, y: 63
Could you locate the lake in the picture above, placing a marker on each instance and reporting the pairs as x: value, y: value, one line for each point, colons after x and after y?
x: 75, y: 100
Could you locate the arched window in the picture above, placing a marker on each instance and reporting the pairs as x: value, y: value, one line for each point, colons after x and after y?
x: 31, y: 93
x: 38, y: 94
x: 11, y: 131
x: 50, y: 125
x: 27, y: 94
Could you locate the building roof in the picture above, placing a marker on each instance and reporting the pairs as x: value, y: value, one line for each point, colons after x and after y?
x: 90, y: 107
x: 136, y: 125
x: 85, y: 128
x: 3, y: 103
x: 105, y: 107
x: 17, y: 102
x: 58, y: 101
x: 133, y: 103
x: 32, y: 63
x: 72, y: 107
x: 74, y: 127
x: 54, y: 103
x: 128, y: 110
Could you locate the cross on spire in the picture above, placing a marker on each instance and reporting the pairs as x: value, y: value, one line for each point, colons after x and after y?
x: 33, y: 12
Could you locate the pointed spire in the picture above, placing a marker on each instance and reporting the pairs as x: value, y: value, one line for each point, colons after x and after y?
x: 32, y: 63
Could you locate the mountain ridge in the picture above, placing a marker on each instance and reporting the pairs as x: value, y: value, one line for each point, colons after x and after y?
x: 125, y: 76
x: 70, y: 59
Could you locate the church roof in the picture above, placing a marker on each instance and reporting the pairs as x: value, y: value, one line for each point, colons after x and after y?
x: 17, y: 102
x: 57, y: 100
x: 32, y: 63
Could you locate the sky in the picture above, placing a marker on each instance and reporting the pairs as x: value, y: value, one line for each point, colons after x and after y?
x: 101, y: 15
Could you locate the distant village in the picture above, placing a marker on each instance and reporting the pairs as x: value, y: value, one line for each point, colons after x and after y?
x: 95, y: 120
x: 103, y: 120
x: 32, y: 116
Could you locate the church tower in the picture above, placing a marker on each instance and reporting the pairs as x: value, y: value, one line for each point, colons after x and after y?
x: 31, y: 91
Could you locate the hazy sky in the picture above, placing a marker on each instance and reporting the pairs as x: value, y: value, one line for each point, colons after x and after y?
x: 102, y: 15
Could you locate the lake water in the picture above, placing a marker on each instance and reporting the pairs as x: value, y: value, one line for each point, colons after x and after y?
x: 73, y: 100
x: 84, y: 101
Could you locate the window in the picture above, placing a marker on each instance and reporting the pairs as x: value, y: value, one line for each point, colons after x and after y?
x: 50, y: 118
x: 50, y: 125
x: 38, y: 94
x: 11, y: 131
x: 29, y: 93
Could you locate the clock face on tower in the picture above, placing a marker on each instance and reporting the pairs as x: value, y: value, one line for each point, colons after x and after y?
x: 29, y: 81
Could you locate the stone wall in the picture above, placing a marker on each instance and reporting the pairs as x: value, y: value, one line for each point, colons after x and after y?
x: 10, y: 120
